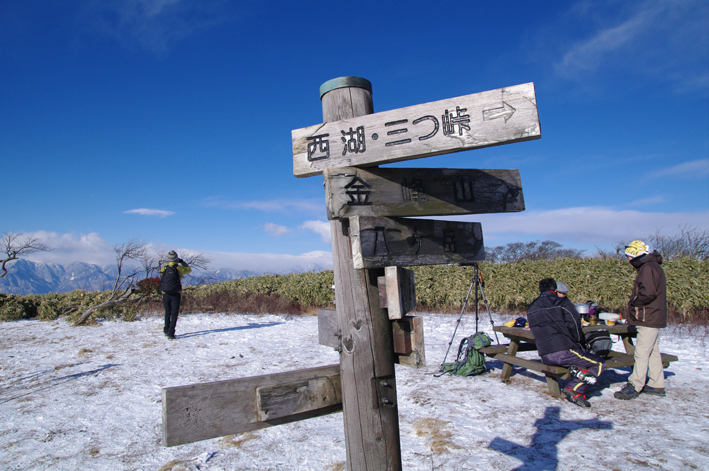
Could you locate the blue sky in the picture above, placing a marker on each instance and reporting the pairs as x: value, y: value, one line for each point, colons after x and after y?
x: 170, y: 120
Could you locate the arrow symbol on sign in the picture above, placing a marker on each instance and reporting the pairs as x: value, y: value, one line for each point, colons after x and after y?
x: 505, y: 111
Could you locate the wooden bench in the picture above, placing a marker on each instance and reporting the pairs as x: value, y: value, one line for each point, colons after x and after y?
x: 553, y: 373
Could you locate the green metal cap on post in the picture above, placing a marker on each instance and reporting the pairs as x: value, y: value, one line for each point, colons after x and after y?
x: 343, y: 82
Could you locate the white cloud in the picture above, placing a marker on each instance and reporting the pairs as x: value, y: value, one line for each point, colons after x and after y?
x: 270, y: 262
x: 69, y: 248
x: 322, y: 228
x: 586, y: 225
x: 150, y: 212
x: 279, y: 205
x: 658, y: 38
x: 694, y: 169
x: 154, y: 25
x: 588, y: 55
x: 275, y: 229
x: 91, y: 248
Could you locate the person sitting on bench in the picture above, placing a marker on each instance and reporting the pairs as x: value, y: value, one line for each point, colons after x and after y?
x: 556, y: 326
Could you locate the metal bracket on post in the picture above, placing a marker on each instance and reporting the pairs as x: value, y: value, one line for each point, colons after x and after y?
x: 384, y: 391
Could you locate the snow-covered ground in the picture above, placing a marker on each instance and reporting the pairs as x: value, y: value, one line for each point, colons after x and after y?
x: 89, y: 398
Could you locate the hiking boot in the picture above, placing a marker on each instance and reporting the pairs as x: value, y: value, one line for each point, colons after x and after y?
x: 628, y: 392
x: 578, y: 399
x: 171, y: 337
x: 654, y: 391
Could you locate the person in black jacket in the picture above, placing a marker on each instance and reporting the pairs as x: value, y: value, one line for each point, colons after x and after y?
x: 560, y: 340
x: 171, y: 286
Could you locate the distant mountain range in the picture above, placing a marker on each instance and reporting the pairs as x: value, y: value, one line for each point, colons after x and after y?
x: 25, y: 277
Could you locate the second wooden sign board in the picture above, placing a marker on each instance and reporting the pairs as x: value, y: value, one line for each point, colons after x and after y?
x: 352, y: 191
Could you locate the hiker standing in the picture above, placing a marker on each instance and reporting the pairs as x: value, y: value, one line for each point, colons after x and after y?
x: 171, y: 287
x: 557, y: 330
x: 647, y: 311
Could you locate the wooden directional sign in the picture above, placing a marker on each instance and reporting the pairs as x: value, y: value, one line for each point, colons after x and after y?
x: 209, y: 410
x: 352, y: 191
x: 379, y: 242
x: 491, y: 118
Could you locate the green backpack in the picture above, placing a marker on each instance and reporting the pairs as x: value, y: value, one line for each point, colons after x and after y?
x: 470, y: 361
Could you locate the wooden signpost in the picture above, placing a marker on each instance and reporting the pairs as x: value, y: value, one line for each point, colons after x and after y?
x: 373, y: 292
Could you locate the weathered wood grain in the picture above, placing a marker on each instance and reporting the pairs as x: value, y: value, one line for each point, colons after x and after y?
x: 408, y: 333
x: 327, y: 328
x: 383, y: 242
x: 399, y: 291
x: 209, y: 410
x: 367, y: 357
x: 484, y: 119
x: 284, y: 400
x: 352, y: 191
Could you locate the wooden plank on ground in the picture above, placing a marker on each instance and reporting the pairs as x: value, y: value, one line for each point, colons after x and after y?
x: 209, y: 410
x: 352, y: 191
x: 379, y: 242
x: 485, y: 119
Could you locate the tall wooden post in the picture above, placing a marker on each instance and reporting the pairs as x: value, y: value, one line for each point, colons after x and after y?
x: 367, y: 373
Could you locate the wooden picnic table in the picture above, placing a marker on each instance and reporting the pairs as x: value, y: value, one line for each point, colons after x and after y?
x: 522, y: 339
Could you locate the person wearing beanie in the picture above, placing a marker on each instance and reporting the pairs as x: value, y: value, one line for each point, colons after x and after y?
x: 557, y: 330
x: 647, y: 311
x: 561, y: 289
x: 171, y: 286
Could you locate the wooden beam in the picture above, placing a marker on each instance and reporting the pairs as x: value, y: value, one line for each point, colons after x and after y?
x: 352, y: 191
x: 209, y: 410
x: 484, y: 119
x: 397, y: 291
x: 328, y: 332
x: 382, y: 242
x: 286, y: 400
x: 409, y: 342
x: 371, y: 414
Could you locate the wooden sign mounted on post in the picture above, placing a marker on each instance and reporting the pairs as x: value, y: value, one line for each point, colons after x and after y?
x: 485, y: 119
x: 383, y: 242
x: 352, y: 191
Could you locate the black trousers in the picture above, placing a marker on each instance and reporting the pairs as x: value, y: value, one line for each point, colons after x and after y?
x: 172, y: 309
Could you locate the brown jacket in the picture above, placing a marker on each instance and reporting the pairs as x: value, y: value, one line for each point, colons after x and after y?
x: 648, y: 303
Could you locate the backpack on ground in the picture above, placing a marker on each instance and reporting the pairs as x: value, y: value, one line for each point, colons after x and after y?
x: 599, y: 342
x: 470, y: 361
x: 170, y: 280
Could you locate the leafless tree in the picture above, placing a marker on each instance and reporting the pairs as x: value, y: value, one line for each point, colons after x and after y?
x: 519, y: 251
x: 690, y: 242
x: 133, y: 250
x: 15, y: 246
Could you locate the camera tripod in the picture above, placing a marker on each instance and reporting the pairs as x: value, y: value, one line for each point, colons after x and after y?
x: 478, y: 283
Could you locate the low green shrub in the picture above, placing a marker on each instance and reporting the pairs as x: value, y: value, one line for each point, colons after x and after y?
x: 508, y: 287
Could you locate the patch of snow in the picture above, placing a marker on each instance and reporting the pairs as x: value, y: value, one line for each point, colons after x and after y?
x: 90, y: 398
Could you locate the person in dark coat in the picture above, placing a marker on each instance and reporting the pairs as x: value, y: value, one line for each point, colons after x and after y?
x: 647, y: 311
x: 171, y: 297
x: 560, y: 340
